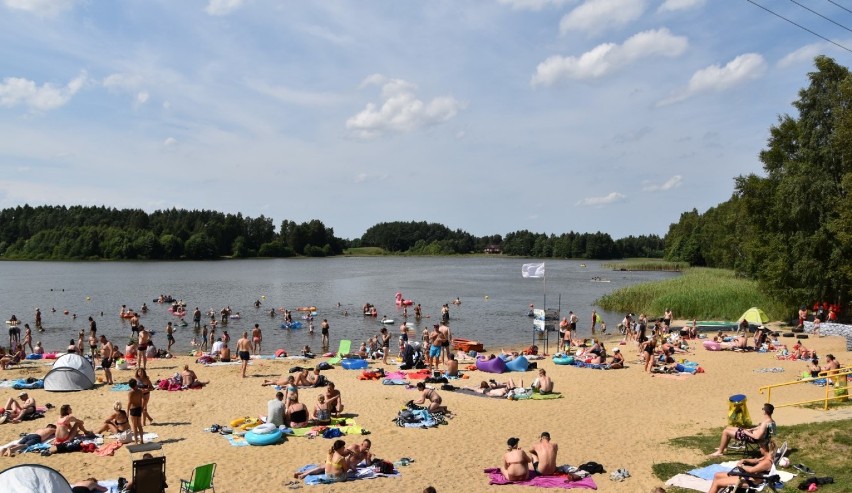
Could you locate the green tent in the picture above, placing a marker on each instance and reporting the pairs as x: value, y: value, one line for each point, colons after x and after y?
x: 755, y: 316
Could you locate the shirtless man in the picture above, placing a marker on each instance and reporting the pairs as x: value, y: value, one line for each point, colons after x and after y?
x: 334, y: 398
x: 38, y: 319
x: 436, y: 345
x: 134, y: 410
x: 256, y: 339
x: 446, y: 339
x: 360, y: 453
x: 189, y: 379
x: 433, y: 397
x: 30, y: 439
x: 141, y: 355
x: 244, y: 350
x: 224, y: 353
x: 516, y: 462
x: 170, y: 336
x: 832, y: 364
x: 17, y: 410
x: 324, y: 331
x: 107, y: 358
x: 543, y: 383
x: 452, y: 366
x: 543, y: 454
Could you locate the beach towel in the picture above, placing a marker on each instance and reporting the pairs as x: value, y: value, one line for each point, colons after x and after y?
x: 236, y: 440
x: 689, y: 482
x: 361, y: 473
x: 418, y: 375
x: 394, y: 381
x: 110, y: 484
x: 223, y: 363
x: 708, y: 472
x: 7, y: 383
x: 672, y: 376
x: 120, y: 387
x: 108, y: 449
x: 346, y: 426
x: 496, y: 477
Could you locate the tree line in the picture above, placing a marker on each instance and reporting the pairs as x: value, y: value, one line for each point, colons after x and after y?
x: 92, y: 233
x: 791, y: 229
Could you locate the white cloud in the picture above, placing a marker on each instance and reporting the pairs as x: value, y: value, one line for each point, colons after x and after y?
x: 675, y: 5
x: 223, y: 7
x: 170, y: 142
x: 361, y: 177
x: 122, y: 82
x: 609, y: 57
x: 400, y: 109
x: 741, y: 69
x: 294, y: 96
x: 605, y: 200
x: 142, y: 97
x: 594, y: 16
x: 805, y: 54
x: 40, y: 7
x: 673, y: 182
x: 15, y: 91
x: 535, y: 5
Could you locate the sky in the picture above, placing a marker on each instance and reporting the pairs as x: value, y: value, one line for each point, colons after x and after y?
x: 488, y: 116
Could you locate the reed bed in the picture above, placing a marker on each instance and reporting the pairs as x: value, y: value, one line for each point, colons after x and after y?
x: 647, y: 265
x: 700, y: 293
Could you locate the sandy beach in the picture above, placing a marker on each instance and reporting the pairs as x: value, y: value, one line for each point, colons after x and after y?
x: 619, y: 418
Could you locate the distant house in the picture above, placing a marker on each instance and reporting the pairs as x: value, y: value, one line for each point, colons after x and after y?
x: 493, y: 249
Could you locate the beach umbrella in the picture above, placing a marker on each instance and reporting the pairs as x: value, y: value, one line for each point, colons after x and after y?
x: 755, y: 316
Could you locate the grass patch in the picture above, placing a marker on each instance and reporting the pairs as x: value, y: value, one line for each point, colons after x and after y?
x: 364, y: 251
x: 824, y: 447
x: 647, y: 264
x: 701, y: 293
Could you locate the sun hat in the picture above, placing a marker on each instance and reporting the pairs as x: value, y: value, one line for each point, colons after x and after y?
x: 616, y: 350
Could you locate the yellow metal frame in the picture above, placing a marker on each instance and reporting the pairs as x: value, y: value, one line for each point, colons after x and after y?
x: 843, y: 372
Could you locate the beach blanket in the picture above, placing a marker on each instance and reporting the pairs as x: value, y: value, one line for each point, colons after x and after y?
x: 236, y: 440
x: 534, y: 396
x: 496, y: 477
x: 707, y: 472
x: 111, y: 485
x: 690, y: 482
x: 673, y: 376
x: 394, y: 381
x: 223, y: 363
x: 361, y: 473
x: 345, y: 426
x: 120, y: 387
x: 108, y: 449
x: 147, y: 437
x: 7, y: 383
x: 418, y: 374
x: 418, y: 418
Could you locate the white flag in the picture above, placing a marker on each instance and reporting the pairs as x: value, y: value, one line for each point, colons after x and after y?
x: 533, y: 270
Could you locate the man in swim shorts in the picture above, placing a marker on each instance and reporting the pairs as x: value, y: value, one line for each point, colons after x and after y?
x: 256, y: 339
x: 543, y: 383
x: 543, y: 454
x: 134, y: 409
x: 244, y: 350
x: 753, y: 435
x: 141, y: 354
x: 29, y: 440
x: 436, y: 341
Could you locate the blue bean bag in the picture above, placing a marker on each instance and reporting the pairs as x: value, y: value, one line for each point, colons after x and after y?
x: 354, y: 364
x: 518, y: 364
x: 563, y: 360
x: 495, y: 365
x: 35, y: 356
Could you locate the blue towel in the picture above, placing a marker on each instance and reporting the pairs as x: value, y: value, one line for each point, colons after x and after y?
x: 120, y: 387
x: 707, y: 472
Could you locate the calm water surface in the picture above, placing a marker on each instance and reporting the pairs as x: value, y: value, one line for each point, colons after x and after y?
x: 494, y: 296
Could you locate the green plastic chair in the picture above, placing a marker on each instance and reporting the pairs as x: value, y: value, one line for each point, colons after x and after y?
x: 201, y: 479
x: 343, y: 350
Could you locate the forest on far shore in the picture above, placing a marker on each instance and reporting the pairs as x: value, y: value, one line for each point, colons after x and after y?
x: 103, y: 233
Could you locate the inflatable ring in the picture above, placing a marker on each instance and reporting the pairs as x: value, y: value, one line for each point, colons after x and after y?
x: 563, y: 360
x: 518, y: 364
x: 354, y: 364
x: 495, y: 365
x: 260, y: 439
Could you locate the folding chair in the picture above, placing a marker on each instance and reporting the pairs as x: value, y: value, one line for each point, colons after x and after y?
x: 752, y: 449
x: 201, y: 479
x: 342, y: 350
x: 149, y: 475
x: 768, y: 480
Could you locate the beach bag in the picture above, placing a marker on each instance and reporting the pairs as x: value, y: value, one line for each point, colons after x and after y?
x: 332, y: 433
x: 321, y: 381
x: 384, y: 467
x: 324, y: 366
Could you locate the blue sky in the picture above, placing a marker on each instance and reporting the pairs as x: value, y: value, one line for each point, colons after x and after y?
x: 484, y: 115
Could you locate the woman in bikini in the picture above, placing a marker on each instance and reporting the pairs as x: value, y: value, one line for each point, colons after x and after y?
x: 68, y: 426
x: 322, y: 413
x: 143, y: 383
x: 433, y: 397
x: 516, y: 462
x: 335, y: 464
x: 118, y: 423
x: 760, y: 465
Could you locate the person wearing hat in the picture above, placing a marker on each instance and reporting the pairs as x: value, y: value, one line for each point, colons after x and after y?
x: 617, y: 359
x: 15, y: 411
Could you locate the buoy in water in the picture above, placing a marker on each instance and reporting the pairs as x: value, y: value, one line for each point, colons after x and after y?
x: 486, y: 297
x: 88, y: 298
x: 263, y: 296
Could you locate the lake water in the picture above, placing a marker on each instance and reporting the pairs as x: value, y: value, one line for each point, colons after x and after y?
x: 495, y: 298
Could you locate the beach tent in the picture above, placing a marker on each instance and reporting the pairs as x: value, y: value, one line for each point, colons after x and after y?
x: 33, y: 477
x: 70, y: 373
x: 755, y: 316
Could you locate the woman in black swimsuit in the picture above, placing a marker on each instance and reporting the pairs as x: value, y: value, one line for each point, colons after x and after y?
x: 143, y: 383
x: 297, y: 413
x: 117, y: 422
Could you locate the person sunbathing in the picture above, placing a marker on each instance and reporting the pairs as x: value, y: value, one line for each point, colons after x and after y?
x: 296, y: 413
x: 543, y: 384
x: 617, y: 359
x: 322, y: 411
x: 302, y: 380
x: 15, y: 411
x: 360, y: 454
x: 752, y: 435
x: 814, y: 368
x: 117, y: 423
x: 494, y: 389
x: 801, y: 352
x: 87, y: 485
x: 761, y: 465
x: 68, y: 426
x: 39, y: 436
x: 189, y: 380
x: 281, y: 382
x: 516, y: 462
x: 335, y: 464
x: 543, y: 454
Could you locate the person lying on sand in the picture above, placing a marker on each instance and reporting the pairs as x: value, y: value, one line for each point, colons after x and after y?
x: 494, y: 389
x: 15, y: 411
x: 29, y: 439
